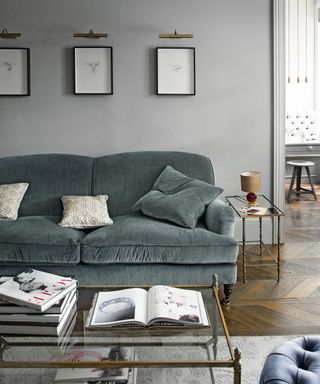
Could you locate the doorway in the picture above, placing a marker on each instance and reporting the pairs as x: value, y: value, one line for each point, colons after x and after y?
x: 302, y: 133
x: 295, y: 112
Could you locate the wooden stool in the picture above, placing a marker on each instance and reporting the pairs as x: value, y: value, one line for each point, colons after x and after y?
x: 297, y: 170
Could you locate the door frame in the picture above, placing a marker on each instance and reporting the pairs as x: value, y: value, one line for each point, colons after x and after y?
x: 279, y: 61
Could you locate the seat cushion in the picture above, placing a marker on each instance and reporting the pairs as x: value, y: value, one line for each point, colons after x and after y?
x: 39, y: 240
x: 139, y: 239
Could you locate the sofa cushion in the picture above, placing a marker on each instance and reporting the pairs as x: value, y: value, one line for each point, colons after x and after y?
x: 38, y: 240
x: 11, y: 196
x: 139, y: 239
x: 85, y: 211
x: 125, y: 177
x: 50, y: 176
x: 177, y: 198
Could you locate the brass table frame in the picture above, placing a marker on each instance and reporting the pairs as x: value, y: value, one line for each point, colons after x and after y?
x: 234, y: 362
x: 245, y: 216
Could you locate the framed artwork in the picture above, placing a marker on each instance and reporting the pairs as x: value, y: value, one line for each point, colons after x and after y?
x: 176, y: 73
x: 93, y: 72
x: 14, y: 71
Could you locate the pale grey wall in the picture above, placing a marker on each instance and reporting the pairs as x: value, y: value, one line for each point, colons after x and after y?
x: 229, y: 119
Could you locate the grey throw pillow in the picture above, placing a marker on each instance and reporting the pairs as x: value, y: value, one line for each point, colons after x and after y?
x: 177, y: 198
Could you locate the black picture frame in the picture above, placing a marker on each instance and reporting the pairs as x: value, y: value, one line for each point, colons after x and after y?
x: 93, y: 70
x: 176, y: 71
x: 15, y: 71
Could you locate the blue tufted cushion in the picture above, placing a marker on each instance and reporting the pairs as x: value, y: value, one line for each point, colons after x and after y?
x: 294, y: 362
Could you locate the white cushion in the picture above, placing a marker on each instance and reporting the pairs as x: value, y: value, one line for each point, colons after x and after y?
x: 11, y: 196
x: 85, y: 211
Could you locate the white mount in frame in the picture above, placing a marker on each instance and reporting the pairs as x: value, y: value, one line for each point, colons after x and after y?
x: 176, y: 74
x: 93, y: 70
x: 14, y: 71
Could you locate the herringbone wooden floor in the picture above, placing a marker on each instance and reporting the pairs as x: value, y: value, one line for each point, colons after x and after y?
x: 263, y: 306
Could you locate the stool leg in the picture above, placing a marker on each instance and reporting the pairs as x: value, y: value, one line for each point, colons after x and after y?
x: 299, y: 178
x: 311, y: 183
x: 292, y: 183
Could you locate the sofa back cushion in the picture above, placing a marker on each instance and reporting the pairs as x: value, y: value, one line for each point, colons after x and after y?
x: 50, y: 176
x: 126, y: 177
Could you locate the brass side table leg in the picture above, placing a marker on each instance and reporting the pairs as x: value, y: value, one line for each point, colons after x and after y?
x: 278, y: 250
x: 260, y: 235
x: 244, y: 263
x: 237, y: 366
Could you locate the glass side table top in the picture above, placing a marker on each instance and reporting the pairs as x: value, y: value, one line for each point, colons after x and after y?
x: 262, y: 208
x: 154, y: 347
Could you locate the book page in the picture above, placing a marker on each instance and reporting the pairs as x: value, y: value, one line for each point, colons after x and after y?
x: 120, y: 307
x: 181, y: 305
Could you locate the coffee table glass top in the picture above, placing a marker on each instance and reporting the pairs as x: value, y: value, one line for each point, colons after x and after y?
x: 154, y: 346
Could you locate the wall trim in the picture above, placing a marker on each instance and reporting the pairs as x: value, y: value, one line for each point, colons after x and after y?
x: 279, y: 19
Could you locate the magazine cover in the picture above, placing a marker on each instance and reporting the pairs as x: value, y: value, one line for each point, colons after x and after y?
x: 36, y: 289
x: 95, y: 374
x: 57, y: 307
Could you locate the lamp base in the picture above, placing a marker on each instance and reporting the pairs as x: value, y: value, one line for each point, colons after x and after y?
x: 251, y: 199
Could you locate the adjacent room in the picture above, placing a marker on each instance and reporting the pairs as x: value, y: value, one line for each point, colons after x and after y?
x: 159, y: 185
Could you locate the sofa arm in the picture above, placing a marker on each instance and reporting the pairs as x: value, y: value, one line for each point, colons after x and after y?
x: 220, y: 218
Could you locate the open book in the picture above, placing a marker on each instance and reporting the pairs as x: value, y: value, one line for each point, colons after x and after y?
x: 160, y: 305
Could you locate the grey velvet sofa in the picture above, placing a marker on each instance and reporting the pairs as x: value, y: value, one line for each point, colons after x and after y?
x: 135, y: 249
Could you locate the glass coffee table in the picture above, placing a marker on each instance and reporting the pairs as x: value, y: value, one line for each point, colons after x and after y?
x: 160, y: 353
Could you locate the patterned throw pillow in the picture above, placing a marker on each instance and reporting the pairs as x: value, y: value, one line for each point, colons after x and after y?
x: 11, y: 196
x: 85, y: 211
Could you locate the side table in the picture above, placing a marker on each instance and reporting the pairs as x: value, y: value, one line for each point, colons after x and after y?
x: 262, y: 209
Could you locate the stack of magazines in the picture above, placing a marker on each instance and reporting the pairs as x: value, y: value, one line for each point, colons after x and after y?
x: 37, y: 303
x: 98, y: 375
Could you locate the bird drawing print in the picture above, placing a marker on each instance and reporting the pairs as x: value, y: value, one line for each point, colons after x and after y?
x: 176, y: 67
x: 93, y: 66
x: 8, y: 65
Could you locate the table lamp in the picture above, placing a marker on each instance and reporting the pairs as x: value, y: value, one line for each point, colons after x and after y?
x: 251, y: 183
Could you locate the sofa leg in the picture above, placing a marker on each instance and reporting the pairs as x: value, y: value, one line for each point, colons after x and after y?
x: 227, y: 288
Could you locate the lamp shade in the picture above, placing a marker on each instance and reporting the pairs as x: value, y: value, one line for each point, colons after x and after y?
x: 250, y: 181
